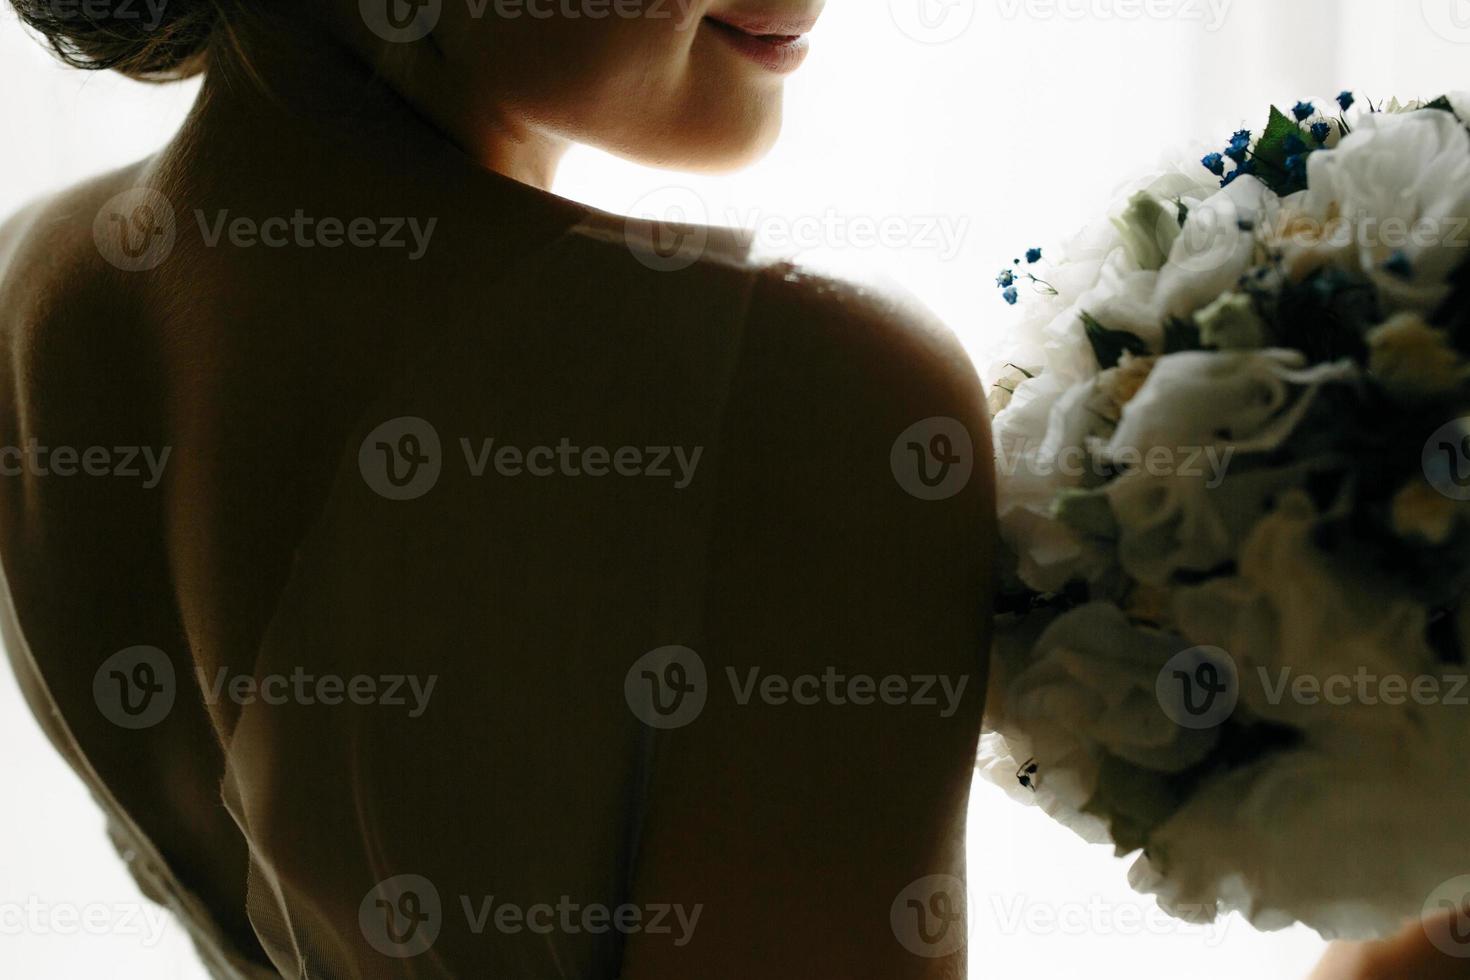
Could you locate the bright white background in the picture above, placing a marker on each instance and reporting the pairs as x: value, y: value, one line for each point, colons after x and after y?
x: 1009, y: 133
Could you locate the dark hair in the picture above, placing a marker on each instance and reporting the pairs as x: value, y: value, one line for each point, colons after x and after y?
x: 159, y: 41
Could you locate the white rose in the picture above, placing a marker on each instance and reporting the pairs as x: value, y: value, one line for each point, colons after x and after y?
x: 1215, y: 248
x: 1200, y: 417
x: 1049, y: 335
x: 1348, y: 834
x: 1400, y: 183
x: 1149, y: 227
x: 1039, y: 448
x: 1251, y: 400
x: 1292, y: 607
x: 1089, y: 691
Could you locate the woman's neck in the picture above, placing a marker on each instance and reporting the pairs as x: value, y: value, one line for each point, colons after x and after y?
x: 266, y: 75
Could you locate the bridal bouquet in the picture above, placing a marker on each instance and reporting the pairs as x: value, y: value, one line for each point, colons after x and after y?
x: 1233, y: 451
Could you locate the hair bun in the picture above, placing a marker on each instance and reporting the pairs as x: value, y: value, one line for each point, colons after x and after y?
x: 152, y: 40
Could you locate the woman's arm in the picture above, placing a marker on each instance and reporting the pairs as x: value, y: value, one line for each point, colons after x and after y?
x: 799, y: 828
x: 1409, y: 954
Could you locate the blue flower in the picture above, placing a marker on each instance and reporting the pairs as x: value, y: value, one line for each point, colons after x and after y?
x: 1215, y: 164
x: 1296, y: 167
x: 1012, y: 296
x: 1240, y: 144
x: 1033, y: 256
x: 1246, y: 169
x: 1294, y: 145
x: 1320, y: 132
x: 1005, y: 279
x: 1399, y: 264
x: 1347, y: 100
x: 1303, y: 111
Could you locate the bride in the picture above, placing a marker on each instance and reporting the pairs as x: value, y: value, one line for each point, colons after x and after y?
x: 460, y: 485
x: 511, y: 588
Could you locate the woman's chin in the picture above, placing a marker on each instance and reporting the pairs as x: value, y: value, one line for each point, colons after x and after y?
x: 723, y: 142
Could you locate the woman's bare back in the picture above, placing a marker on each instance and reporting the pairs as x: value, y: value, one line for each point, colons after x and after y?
x: 637, y: 456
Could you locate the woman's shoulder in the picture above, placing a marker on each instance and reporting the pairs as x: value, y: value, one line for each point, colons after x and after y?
x: 69, y: 311
x: 62, y: 259
x: 816, y: 312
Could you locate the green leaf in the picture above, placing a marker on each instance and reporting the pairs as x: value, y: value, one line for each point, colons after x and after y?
x: 1271, y: 148
x: 1271, y: 154
x: 1181, y: 335
x: 1111, y: 345
x: 1442, y: 104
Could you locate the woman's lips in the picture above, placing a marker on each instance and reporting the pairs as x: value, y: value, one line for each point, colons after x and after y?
x: 778, y: 46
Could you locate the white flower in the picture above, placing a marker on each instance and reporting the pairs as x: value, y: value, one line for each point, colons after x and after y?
x: 1413, y: 360
x: 1039, y: 442
x: 1003, y: 389
x: 1215, y: 248
x: 1325, y: 109
x: 1149, y: 227
x: 1202, y: 416
x: 1293, y: 607
x: 1089, y: 692
x: 1349, y: 833
x: 1120, y: 385
x: 1231, y: 323
x: 1249, y: 399
x: 1001, y: 761
x: 1125, y: 300
x: 1400, y: 185
x: 1174, y: 488
x: 1049, y: 337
